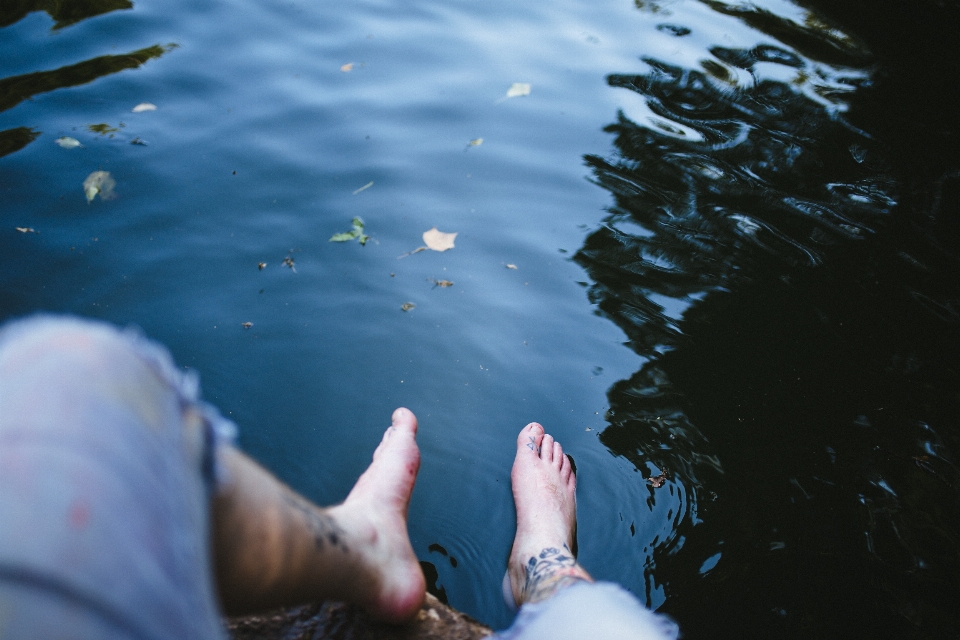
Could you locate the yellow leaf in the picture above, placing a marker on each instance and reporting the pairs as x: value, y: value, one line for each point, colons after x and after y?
x: 438, y: 240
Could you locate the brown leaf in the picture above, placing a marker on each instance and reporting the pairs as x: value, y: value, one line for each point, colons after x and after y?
x: 246, y: 325
x: 406, y: 306
x: 657, y: 481
x: 442, y: 283
x: 261, y: 265
x: 438, y: 240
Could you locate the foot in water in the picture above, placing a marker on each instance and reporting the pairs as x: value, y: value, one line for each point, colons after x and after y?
x: 544, y: 491
x: 376, y: 511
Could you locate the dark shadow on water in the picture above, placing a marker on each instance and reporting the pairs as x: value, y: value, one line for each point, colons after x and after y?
x: 794, y: 287
x: 16, y: 89
x: 64, y: 12
x: 15, y: 139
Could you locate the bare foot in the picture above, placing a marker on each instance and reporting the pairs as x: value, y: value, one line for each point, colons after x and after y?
x: 544, y: 490
x: 376, y: 511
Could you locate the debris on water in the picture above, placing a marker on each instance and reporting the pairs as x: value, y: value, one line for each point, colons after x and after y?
x: 26, y: 230
x: 347, y: 67
x: 67, y: 142
x: 246, y: 325
x: 438, y: 240
x: 364, y: 187
x: 476, y: 142
x: 406, y: 306
x: 144, y: 106
x: 657, y: 481
x: 105, y: 129
x: 139, y: 141
x: 261, y: 265
x: 442, y: 283
x: 516, y: 90
x: 99, y: 182
x: 410, y: 253
x: 288, y: 262
x: 356, y: 232
x: 511, y: 266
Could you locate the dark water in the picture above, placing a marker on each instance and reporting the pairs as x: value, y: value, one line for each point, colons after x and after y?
x: 736, y: 236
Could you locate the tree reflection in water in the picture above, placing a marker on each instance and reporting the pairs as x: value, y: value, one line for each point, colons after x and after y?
x: 801, y: 341
x: 16, y: 89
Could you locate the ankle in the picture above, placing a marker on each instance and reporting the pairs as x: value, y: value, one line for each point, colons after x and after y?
x: 536, y: 575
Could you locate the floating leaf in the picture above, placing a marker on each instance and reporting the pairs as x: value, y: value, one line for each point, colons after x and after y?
x: 144, y: 106
x: 442, y: 283
x: 657, y: 481
x: 288, y: 262
x: 476, y: 142
x: 364, y: 187
x: 261, y: 265
x: 406, y: 306
x: 26, y: 230
x: 438, y: 240
x: 138, y: 141
x: 246, y: 325
x: 511, y: 266
x: 347, y: 67
x: 105, y: 129
x: 99, y: 182
x: 68, y: 143
x: 356, y: 232
x: 518, y: 89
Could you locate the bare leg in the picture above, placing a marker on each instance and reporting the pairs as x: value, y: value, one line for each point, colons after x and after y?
x: 544, y: 490
x: 273, y: 547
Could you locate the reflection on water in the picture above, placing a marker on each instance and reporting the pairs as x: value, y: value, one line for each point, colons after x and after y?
x: 64, y: 12
x: 800, y: 341
x: 16, y: 89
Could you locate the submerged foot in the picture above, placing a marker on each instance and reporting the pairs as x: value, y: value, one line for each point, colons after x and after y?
x: 377, y: 510
x: 544, y: 490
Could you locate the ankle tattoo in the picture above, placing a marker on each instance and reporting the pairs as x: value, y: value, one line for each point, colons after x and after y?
x: 552, y: 570
x: 324, y: 529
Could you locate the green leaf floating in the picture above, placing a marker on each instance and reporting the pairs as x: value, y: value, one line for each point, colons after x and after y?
x: 356, y: 232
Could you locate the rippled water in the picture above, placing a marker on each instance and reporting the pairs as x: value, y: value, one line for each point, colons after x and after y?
x: 731, y: 185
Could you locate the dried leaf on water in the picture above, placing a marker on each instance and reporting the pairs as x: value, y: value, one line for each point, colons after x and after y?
x: 26, y: 230
x: 288, y: 262
x: 105, y: 129
x: 356, y: 232
x: 364, y: 187
x: 516, y: 90
x: 406, y: 306
x: 442, y: 283
x: 657, y: 481
x: 476, y: 142
x: 99, y: 182
x: 68, y: 143
x: 144, y: 106
x: 347, y: 67
x: 246, y: 325
x: 438, y: 240
x: 261, y: 265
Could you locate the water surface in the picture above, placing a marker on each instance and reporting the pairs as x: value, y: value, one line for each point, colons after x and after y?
x: 717, y: 276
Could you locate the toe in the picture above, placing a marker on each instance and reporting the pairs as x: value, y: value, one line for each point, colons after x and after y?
x: 546, y: 449
x: 404, y: 420
x: 557, y: 454
x: 530, y: 438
